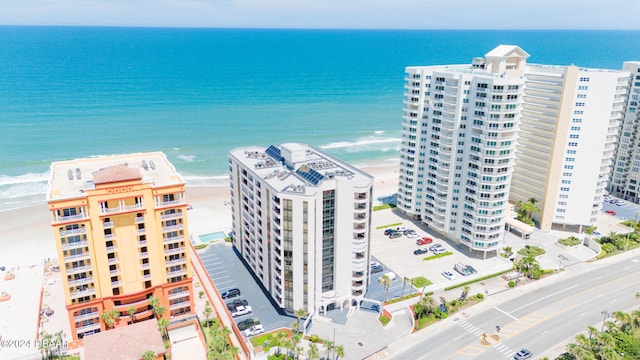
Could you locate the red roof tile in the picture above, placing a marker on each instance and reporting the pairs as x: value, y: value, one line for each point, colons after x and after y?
x: 116, y: 173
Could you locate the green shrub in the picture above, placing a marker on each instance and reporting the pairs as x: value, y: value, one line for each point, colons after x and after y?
x: 404, y: 297
x: 432, y: 257
x: 383, y: 206
x: 570, y: 241
x: 512, y: 284
x: 388, y: 226
x: 228, y: 239
x: 476, y: 280
x: 420, y: 281
x: 480, y: 295
x: 201, y: 246
x: 529, y: 250
x: 384, y: 320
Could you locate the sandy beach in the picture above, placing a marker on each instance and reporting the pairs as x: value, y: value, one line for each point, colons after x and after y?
x: 26, y: 236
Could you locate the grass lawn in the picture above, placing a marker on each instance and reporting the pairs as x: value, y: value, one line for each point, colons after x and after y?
x: 432, y: 257
x: 420, y: 281
x: 267, y: 339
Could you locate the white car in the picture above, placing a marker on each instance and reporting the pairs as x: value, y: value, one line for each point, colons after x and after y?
x: 437, y: 249
x: 254, y: 330
x: 449, y: 275
x: 242, y: 310
x: 413, y: 235
x: 620, y: 203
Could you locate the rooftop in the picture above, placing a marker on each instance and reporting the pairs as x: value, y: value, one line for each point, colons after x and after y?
x: 69, y: 179
x: 124, y: 343
x: 298, y: 168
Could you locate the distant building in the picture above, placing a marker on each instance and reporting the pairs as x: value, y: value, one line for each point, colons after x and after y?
x: 568, y: 131
x: 625, y: 179
x: 475, y: 135
x: 120, y: 227
x: 302, y: 222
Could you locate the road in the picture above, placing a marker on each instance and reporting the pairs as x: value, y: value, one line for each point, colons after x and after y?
x: 538, y: 320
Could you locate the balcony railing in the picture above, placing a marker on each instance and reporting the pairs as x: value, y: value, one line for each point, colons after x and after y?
x: 179, y: 305
x: 87, y: 316
x: 82, y: 329
x: 141, y: 231
x: 112, y: 249
x: 75, y: 245
x: 114, y: 272
x: 78, y: 269
x: 78, y: 231
x: 174, y: 251
x: 173, y: 239
x: 179, y: 294
x: 143, y: 255
x: 121, y: 208
x: 80, y: 281
x: 139, y: 219
x: 176, y: 262
x: 112, y: 261
x: 177, y: 215
x: 81, y: 293
x: 169, y: 203
x: 110, y: 236
x: 83, y: 256
x: 63, y: 218
x: 107, y: 224
x: 177, y: 227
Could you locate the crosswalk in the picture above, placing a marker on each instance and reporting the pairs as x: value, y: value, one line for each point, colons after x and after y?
x: 498, y: 346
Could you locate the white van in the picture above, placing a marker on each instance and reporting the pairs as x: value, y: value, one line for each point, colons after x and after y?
x: 391, y: 275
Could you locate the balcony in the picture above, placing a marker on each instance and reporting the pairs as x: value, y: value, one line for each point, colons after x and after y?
x: 78, y: 269
x: 179, y: 305
x: 83, y: 256
x: 141, y: 231
x: 121, y: 208
x: 112, y: 261
x: 68, y: 218
x: 114, y: 272
x: 75, y: 245
x: 82, y: 293
x: 90, y: 327
x: 110, y: 237
x: 177, y: 227
x: 177, y: 273
x: 79, y: 231
x: 178, y: 294
x: 143, y: 255
x: 80, y: 281
x: 173, y: 239
x: 170, y: 203
x: 111, y: 249
x: 107, y: 224
x: 145, y: 266
x: 116, y: 283
x: 92, y: 315
x: 177, y: 215
x: 173, y: 251
x: 176, y: 262
x: 146, y: 277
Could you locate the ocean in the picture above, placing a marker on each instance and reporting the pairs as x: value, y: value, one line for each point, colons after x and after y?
x: 195, y: 94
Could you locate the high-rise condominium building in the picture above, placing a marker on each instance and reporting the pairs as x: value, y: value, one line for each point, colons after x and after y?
x: 625, y: 179
x: 120, y: 227
x: 458, y: 145
x: 476, y: 135
x: 302, y: 222
x: 568, y: 131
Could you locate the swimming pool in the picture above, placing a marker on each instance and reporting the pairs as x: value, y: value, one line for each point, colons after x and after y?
x: 207, y: 238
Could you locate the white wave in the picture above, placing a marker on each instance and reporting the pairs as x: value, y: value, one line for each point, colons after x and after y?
x: 188, y: 158
x: 15, y: 191
x: 176, y: 149
x: 24, y: 178
x: 365, y: 144
x: 379, y: 132
x: 195, y: 180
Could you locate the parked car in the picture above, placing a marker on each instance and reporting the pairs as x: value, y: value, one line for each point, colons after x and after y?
x: 401, y: 228
x: 449, y: 275
x: 247, y: 323
x: 389, y: 231
x: 425, y: 240
x: 231, y: 293
x: 620, y: 203
x: 232, y: 305
x: 462, y: 269
x: 437, y: 249
x: 391, y: 275
x: 395, y: 235
x: 471, y: 269
x: 408, y: 231
x: 254, y: 330
x: 376, y: 269
x: 522, y: 355
x: 420, y: 251
x: 241, y: 311
x: 374, y: 263
x: 610, y: 212
x: 413, y: 235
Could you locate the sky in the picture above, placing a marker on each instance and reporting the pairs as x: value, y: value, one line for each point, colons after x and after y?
x: 343, y: 14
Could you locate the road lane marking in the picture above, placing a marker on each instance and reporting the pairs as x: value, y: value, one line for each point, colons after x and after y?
x: 506, y: 313
x: 542, y: 298
x: 544, y: 332
x: 599, y: 277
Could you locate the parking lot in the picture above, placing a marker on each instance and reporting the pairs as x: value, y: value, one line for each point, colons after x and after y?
x: 397, y: 254
x: 227, y: 271
x: 622, y: 212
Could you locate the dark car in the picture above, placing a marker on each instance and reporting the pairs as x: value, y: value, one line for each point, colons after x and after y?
x: 231, y: 293
x: 471, y: 269
x: 420, y: 251
x: 389, y: 231
x: 522, y: 355
x: 395, y: 235
x: 247, y: 323
x: 232, y: 305
x: 376, y: 269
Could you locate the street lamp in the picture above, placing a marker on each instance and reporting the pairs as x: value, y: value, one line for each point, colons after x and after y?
x: 605, y: 313
x: 633, y: 227
x: 561, y: 257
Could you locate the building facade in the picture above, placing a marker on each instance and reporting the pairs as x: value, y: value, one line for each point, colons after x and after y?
x: 458, y: 146
x: 568, y: 131
x: 625, y: 179
x: 120, y: 227
x: 302, y: 222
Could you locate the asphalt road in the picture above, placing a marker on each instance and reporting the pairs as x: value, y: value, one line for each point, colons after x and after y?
x: 538, y: 320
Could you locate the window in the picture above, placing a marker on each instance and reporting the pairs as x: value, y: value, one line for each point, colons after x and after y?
x: 576, y: 120
x: 579, y: 104
x: 584, y: 79
x: 574, y: 136
x: 575, y: 128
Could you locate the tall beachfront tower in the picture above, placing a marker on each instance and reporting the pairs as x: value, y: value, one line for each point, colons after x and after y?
x: 458, y: 145
x: 302, y: 222
x: 625, y: 179
x: 568, y: 131
x: 120, y: 227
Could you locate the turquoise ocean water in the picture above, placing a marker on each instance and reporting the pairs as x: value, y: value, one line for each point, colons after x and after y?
x: 69, y: 92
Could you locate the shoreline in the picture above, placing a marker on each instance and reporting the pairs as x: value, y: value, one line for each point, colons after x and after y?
x: 26, y: 235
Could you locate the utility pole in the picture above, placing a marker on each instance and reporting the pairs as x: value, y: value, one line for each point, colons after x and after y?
x: 605, y: 313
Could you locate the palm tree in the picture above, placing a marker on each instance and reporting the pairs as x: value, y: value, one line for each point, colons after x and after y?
x: 207, y: 312
x: 300, y: 313
x: 465, y: 292
x: 45, y: 350
x: 159, y: 311
x: 404, y: 284
x: 339, y: 351
x: 132, y: 312
x: 427, y: 302
x: 312, y: 352
x: 386, y: 283
x: 58, y: 337
x: 148, y: 355
x: 110, y: 317
x: 154, y: 301
x: 531, y: 208
x: 328, y: 348
x: 279, y: 338
x: 298, y: 350
x: 162, y: 326
x: 295, y: 327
